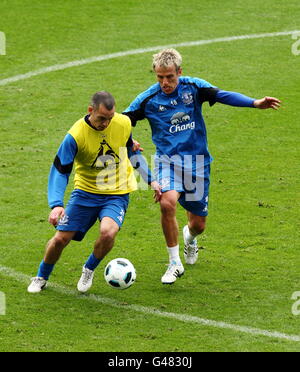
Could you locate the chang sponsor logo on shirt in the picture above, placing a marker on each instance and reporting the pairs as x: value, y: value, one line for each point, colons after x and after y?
x: 181, y: 122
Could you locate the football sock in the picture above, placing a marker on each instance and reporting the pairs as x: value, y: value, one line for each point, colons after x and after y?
x: 92, y: 262
x: 174, y: 254
x: 188, y: 236
x: 45, y: 270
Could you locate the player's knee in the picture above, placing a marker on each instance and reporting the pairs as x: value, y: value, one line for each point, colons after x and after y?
x: 60, y: 241
x: 201, y: 228
x: 107, y: 235
x: 168, y: 207
x: 198, y: 227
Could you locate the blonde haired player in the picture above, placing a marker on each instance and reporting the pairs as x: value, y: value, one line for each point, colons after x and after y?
x: 173, y: 107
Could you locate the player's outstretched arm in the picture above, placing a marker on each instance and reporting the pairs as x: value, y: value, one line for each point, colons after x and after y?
x: 267, y: 102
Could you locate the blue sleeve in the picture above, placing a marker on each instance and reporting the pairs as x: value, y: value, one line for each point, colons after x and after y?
x: 234, y: 99
x: 60, y: 171
x: 139, y: 163
x: 212, y: 94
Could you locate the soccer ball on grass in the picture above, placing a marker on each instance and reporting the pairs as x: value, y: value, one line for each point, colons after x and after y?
x: 120, y: 273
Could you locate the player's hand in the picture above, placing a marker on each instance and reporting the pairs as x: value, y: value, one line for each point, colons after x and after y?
x: 136, y: 146
x: 267, y: 102
x: 157, y: 191
x: 55, y: 215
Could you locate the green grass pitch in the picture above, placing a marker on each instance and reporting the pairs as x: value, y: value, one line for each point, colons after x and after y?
x: 249, y: 265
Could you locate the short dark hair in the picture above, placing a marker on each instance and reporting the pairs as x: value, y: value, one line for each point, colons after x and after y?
x: 103, y: 98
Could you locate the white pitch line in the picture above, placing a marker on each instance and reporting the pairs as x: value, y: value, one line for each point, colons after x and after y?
x: 86, y: 61
x: 20, y: 277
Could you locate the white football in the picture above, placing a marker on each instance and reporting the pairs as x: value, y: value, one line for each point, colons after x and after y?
x: 120, y: 273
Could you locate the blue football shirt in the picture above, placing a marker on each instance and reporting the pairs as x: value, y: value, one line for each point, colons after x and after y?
x: 176, y: 120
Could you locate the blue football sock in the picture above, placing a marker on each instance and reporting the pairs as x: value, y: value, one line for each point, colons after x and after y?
x: 92, y: 262
x: 45, y: 270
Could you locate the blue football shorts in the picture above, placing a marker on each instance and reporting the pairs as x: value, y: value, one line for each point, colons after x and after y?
x: 81, y: 218
x: 193, y: 186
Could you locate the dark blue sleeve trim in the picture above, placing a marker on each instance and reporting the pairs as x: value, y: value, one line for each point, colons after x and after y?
x: 129, y: 143
x: 66, y: 154
x: 136, y: 111
x: 208, y: 95
x: 64, y: 169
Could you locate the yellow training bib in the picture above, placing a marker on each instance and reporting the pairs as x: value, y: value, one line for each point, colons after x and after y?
x: 102, y: 165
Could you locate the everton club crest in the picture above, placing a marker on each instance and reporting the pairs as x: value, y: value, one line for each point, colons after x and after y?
x: 187, y: 98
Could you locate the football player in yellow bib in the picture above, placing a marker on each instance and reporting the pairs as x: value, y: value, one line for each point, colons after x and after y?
x: 99, y: 145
